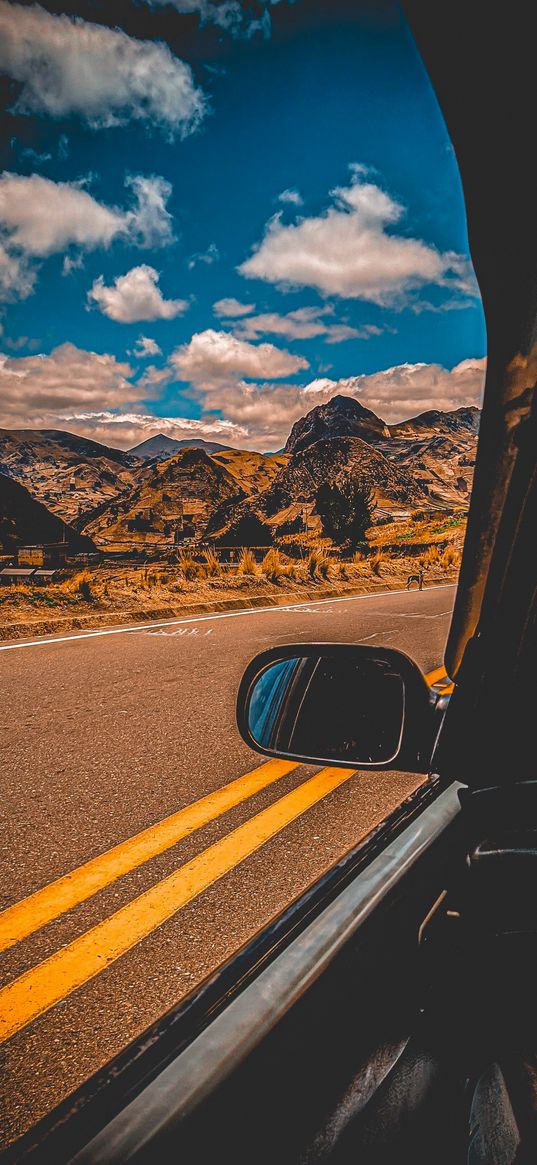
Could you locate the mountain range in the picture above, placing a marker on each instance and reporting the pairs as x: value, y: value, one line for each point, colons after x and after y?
x: 144, y: 494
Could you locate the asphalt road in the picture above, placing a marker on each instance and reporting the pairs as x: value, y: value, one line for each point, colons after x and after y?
x: 106, y: 735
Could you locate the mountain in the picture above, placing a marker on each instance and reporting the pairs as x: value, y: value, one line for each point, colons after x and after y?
x: 161, y: 447
x: 23, y: 520
x: 436, y: 449
x: 68, y: 473
x: 342, y: 416
x: 331, y: 460
x: 188, y: 487
x: 434, y: 423
x: 124, y: 497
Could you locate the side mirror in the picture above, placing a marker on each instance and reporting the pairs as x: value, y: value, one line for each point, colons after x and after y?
x: 339, y: 704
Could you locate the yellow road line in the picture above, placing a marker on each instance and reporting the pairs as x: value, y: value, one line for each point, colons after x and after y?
x: 434, y: 677
x: 35, y: 992
x: 29, y: 915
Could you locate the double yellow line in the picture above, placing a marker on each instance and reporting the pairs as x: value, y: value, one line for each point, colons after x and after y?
x: 44, y: 985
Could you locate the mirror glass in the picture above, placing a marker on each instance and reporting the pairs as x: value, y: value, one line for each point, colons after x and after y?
x: 337, y: 707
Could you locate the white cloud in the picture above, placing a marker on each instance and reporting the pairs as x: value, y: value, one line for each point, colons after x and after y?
x: 42, y: 217
x: 230, y: 15
x: 35, y: 390
x: 211, y: 255
x: 39, y: 217
x: 406, y: 389
x: 67, y: 66
x: 145, y: 347
x: 17, y: 279
x: 302, y: 324
x: 230, y: 308
x: 351, y: 251
x: 214, y: 358
x: 134, y: 297
x: 72, y: 263
x: 291, y: 196
x: 130, y: 428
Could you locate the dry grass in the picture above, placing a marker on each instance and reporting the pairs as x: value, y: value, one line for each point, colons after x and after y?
x: 247, y: 562
x: 431, y: 556
x: 318, y: 565
x: 211, y: 564
x: 80, y: 584
x: 450, y: 557
x: 189, y: 568
x: 272, y: 565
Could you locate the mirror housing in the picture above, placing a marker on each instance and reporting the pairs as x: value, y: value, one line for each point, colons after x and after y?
x: 339, y: 704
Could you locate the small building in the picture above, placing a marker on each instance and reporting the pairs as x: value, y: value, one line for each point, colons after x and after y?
x: 46, y: 576
x: 12, y: 575
x: 45, y: 555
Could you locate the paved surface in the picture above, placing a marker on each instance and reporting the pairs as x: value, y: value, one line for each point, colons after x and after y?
x: 107, y: 735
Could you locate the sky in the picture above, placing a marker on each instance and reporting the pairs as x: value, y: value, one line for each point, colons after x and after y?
x: 214, y: 216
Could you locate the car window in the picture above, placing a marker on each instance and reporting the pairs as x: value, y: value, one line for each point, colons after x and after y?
x: 242, y: 356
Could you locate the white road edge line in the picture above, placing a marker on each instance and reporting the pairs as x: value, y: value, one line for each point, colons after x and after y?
x: 210, y: 618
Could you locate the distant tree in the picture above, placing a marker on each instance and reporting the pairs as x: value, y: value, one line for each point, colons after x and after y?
x: 345, y: 511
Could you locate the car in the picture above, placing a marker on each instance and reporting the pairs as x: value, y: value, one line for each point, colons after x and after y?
x: 389, y: 1015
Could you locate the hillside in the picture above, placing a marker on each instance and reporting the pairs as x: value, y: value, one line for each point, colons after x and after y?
x: 69, y: 474
x: 23, y: 520
x: 253, y: 471
x: 161, y: 447
x: 181, y: 492
x: 330, y: 460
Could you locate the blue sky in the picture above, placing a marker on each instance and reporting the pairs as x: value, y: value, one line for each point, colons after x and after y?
x: 211, y: 215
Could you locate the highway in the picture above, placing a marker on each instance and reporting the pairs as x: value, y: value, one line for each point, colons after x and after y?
x: 145, y: 842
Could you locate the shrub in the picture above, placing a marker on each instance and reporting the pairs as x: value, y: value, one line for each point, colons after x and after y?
x: 80, y: 585
x: 449, y: 558
x: 376, y: 564
x: 189, y: 568
x: 431, y: 556
x: 247, y: 563
x: 212, y: 565
x: 318, y: 564
x: 83, y: 586
x: 272, y: 566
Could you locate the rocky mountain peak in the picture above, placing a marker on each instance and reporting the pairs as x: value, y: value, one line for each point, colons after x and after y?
x: 342, y: 416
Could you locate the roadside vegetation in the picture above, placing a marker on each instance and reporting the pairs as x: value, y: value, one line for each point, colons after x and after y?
x: 192, y: 580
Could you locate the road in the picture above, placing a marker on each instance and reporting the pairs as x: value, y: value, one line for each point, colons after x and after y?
x: 153, y: 842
